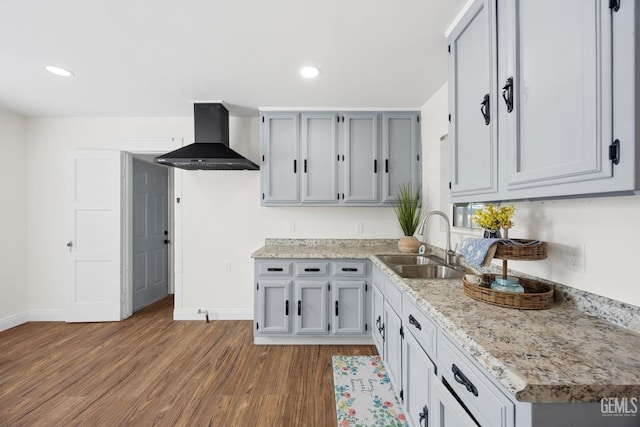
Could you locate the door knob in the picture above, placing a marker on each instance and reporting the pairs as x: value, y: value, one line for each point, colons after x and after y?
x: 69, y: 244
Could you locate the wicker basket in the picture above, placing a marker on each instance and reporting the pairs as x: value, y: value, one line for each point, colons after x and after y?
x: 536, y: 296
x: 521, y: 252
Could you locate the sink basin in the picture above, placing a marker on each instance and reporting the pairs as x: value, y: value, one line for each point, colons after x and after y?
x: 393, y: 260
x: 428, y: 271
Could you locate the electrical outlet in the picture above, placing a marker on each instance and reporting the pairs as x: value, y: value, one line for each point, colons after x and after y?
x: 291, y: 227
x: 359, y: 228
x: 576, y: 258
x: 227, y: 266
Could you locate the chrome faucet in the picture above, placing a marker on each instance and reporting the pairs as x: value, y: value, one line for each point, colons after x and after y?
x: 448, y: 252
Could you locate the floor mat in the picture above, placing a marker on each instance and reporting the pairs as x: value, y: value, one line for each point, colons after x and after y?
x: 364, y: 396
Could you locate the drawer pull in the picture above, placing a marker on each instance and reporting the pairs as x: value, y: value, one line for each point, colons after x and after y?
x: 311, y: 269
x: 414, y: 322
x: 274, y: 269
x: 349, y: 269
x: 299, y: 308
x: 336, y: 308
x: 462, y: 379
x: 424, y: 416
x: 286, y: 308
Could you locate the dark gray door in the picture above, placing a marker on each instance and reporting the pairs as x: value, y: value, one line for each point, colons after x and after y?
x: 150, y: 227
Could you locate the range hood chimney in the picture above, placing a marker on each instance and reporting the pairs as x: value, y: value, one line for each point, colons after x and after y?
x: 210, y: 151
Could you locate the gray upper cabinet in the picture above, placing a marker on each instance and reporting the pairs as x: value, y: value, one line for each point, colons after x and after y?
x: 473, y: 148
x: 559, y: 75
x: 561, y: 100
x: 400, y: 153
x: 360, y: 158
x: 330, y: 158
x: 279, y: 169
x: 319, y: 150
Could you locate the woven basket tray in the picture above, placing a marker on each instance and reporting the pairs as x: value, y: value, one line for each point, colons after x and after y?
x: 518, y: 252
x: 536, y: 296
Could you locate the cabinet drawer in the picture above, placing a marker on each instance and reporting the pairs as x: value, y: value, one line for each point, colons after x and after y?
x: 487, y: 404
x: 393, y: 295
x: 422, y: 328
x: 311, y: 268
x: 274, y: 268
x: 358, y: 269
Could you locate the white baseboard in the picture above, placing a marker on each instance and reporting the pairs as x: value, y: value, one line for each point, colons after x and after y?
x: 14, y: 320
x: 214, y: 314
x: 317, y: 340
x: 46, y: 316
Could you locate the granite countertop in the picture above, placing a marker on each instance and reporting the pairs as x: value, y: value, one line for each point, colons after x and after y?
x: 557, y: 355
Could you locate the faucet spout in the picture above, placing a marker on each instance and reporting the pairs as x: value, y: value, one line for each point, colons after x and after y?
x: 423, y: 222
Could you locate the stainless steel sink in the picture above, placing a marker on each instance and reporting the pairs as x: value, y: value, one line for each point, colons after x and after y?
x: 428, y: 271
x: 393, y: 260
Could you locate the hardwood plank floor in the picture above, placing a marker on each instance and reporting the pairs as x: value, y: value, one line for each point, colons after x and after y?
x: 149, y: 370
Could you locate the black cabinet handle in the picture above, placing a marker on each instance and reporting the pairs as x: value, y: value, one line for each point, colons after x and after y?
x: 378, y: 322
x: 386, y: 165
x: 375, y: 166
x: 381, y: 330
x: 414, y: 322
x: 336, y: 308
x: 462, y: 379
x: 349, y: 269
x: 286, y: 308
x: 507, y: 94
x: 311, y: 269
x: 424, y: 416
x: 484, y: 109
x: 299, y: 308
x: 295, y: 166
x: 305, y: 165
x: 274, y: 269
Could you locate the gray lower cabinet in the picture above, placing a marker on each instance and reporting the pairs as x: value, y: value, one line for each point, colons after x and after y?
x: 393, y: 347
x: 446, y: 411
x: 378, y: 317
x: 418, y: 374
x: 314, y: 299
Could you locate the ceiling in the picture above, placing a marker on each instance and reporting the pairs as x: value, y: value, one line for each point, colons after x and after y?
x: 154, y: 58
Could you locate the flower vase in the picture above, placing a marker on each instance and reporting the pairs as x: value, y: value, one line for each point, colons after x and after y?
x: 408, y: 244
x: 491, y: 234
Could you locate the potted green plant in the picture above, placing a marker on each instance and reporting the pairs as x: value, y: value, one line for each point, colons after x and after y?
x: 408, y: 212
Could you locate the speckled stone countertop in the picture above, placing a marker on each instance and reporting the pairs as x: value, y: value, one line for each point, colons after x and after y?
x: 557, y: 355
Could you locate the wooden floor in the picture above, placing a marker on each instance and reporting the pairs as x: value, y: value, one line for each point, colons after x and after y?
x: 149, y: 370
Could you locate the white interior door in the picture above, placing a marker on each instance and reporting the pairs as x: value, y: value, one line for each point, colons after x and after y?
x: 150, y: 233
x: 94, y: 188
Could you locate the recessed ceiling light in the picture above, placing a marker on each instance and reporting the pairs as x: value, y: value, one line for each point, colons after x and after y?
x: 309, y: 72
x: 58, y: 71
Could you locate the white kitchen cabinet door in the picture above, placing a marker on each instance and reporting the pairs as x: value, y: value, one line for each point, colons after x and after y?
x: 348, y: 299
x: 378, y: 320
x: 418, y: 372
x: 319, y: 146
x: 400, y: 153
x: 94, y: 188
x: 473, y: 142
x: 393, y: 347
x: 274, y: 307
x: 560, y: 127
x: 446, y: 411
x: 279, y: 169
x: 311, y: 299
x: 360, y: 158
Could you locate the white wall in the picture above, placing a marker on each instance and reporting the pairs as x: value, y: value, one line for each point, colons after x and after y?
x: 607, y: 227
x: 222, y: 216
x: 13, y: 217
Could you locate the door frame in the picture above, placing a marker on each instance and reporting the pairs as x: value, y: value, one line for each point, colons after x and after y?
x: 151, y: 147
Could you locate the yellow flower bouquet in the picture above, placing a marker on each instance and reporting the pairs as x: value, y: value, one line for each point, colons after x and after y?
x: 493, y: 218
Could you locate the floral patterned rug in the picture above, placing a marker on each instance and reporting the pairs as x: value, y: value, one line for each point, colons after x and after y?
x: 364, y: 396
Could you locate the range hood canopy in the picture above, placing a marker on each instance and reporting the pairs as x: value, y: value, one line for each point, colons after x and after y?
x: 211, y: 149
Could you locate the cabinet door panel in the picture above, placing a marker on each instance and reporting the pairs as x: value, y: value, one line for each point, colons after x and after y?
x: 418, y: 371
x: 280, y: 158
x: 446, y: 411
x: 393, y: 347
x: 319, y: 151
x: 361, y: 163
x: 400, y: 150
x: 560, y: 127
x: 378, y: 320
x: 472, y: 69
x: 274, y: 307
x: 311, y: 297
x: 348, y: 307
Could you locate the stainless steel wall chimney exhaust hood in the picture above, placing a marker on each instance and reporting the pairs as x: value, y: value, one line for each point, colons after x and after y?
x: 211, y: 149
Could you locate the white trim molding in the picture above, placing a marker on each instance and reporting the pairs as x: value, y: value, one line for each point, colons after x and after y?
x: 14, y: 320
x: 214, y: 314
